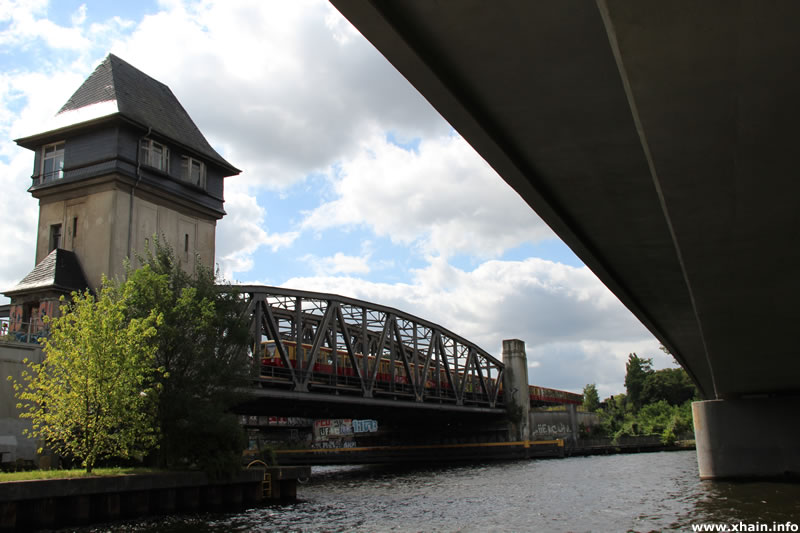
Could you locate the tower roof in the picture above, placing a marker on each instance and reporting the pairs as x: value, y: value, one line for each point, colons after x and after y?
x: 60, y: 271
x: 118, y: 88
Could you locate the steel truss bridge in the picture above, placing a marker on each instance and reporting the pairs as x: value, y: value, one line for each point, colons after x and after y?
x: 341, y: 352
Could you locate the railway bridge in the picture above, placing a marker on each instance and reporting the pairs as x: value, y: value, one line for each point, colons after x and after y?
x: 322, y: 355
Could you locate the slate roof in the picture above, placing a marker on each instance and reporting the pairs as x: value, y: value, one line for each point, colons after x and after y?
x: 144, y: 100
x: 60, y: 270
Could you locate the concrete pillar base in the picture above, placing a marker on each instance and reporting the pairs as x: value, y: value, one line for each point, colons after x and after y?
x: 747, y: 438
x: 515, y: 389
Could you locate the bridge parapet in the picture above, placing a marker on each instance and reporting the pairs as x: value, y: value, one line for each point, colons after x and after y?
x: 324, y: 343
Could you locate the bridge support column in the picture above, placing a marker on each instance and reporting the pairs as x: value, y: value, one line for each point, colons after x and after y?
x: 747, y: 438
x: 515, y: 389
x: 572, y: 414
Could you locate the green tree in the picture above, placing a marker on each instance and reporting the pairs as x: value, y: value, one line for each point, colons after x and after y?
x: 668, y: 421
x: 202, y: 345
x: 636, y: 371
x: 591, y: 400
x: 672, y: 385
x: 95, y: 394
x: 615, y: 415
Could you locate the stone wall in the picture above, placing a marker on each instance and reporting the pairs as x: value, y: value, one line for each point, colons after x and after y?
x: 548, y: 425
x: 13, y: 444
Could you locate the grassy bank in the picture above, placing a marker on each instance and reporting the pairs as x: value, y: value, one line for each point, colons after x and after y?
x: 66, y: 474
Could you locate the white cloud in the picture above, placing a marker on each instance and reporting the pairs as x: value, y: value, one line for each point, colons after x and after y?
x: 338, y: 263
x: 79, y: 16
x: 292, y: 90
x: 442, y: 197
x: 20, y: 213
x: 240, y: 233
x: 26, y: 24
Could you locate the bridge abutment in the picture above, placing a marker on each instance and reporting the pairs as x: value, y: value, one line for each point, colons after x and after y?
x: 515, y: 389
x: 747, y: 438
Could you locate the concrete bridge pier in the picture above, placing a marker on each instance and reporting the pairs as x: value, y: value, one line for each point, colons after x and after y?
x: 747, y: 438
x: 515, y: 389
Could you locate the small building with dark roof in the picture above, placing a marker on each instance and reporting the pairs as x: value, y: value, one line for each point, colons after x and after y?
x: 38, y: 294
x: 122, y: 161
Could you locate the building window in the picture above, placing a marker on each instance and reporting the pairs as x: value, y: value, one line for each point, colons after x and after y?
x: 154, y: 154
x: 193, y: 171
x: 52, y: 162
x: 55, y: 237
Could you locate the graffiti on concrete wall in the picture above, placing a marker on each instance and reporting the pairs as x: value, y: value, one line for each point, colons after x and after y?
x: 365, y: 426
x: 332, y: 444
x: 551, y: 430
x: 281, y: 421
x: 332, y: 427
x: 558, y: 425
x: 340, y: 432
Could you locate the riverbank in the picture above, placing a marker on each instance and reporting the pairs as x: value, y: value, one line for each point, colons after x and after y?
x: 49, y: 503
x: 32, y: 474
x: 638, y: 444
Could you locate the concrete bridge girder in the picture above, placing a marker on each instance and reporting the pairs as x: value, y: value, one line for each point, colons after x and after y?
x: 656, y: 139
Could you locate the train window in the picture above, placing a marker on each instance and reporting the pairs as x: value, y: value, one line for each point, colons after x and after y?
x: 268, y: 348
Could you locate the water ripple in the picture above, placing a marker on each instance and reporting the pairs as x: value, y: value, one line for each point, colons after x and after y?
x: 642, y: 492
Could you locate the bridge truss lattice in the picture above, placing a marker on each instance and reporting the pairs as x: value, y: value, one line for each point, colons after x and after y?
x: 325, y: 343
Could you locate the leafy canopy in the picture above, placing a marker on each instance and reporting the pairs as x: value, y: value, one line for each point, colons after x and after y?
x: 95, y: 395
x: 636, y: 371
x: 202, y: 346
x: 591, y: 400
x: 672, y: 385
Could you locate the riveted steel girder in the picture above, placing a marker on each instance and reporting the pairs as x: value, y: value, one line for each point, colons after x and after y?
x: 329, y: 344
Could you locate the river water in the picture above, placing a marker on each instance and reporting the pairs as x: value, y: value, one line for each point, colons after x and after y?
x: 634, y: 492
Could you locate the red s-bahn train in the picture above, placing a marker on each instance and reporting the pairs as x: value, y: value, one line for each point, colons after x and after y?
x: 273, y: 367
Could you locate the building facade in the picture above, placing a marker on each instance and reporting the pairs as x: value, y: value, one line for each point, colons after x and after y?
x: 121, y: 163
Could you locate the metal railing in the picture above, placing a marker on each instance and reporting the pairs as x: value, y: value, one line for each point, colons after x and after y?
x: 12, y: 330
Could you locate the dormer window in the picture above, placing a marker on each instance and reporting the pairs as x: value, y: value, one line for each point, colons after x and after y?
x: 154, y: 154
x: 52, y: 162
x: 193, y: 171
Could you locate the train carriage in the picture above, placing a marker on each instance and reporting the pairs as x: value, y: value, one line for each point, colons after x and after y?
x: 339, y: 371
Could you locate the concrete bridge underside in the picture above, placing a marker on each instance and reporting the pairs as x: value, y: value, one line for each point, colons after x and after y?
x: 658, y: 140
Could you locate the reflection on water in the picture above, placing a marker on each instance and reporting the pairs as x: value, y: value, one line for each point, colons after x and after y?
x: 641, y: 492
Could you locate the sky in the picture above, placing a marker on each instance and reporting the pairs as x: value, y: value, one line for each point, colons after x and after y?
x: 351, y: 182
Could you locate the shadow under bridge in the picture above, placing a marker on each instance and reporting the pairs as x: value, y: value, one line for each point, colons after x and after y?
x: 320, y: 354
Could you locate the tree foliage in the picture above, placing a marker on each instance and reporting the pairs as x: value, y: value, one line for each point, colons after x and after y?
x: 636, y: 371
x: 669, y: 384
x: 202, y: 345
x: 95, y: 395
x: 668, y: 421
x: 658, y: 402
x: 591, y: 400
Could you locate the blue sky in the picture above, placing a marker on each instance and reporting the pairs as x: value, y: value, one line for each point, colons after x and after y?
x: 351, y: 182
